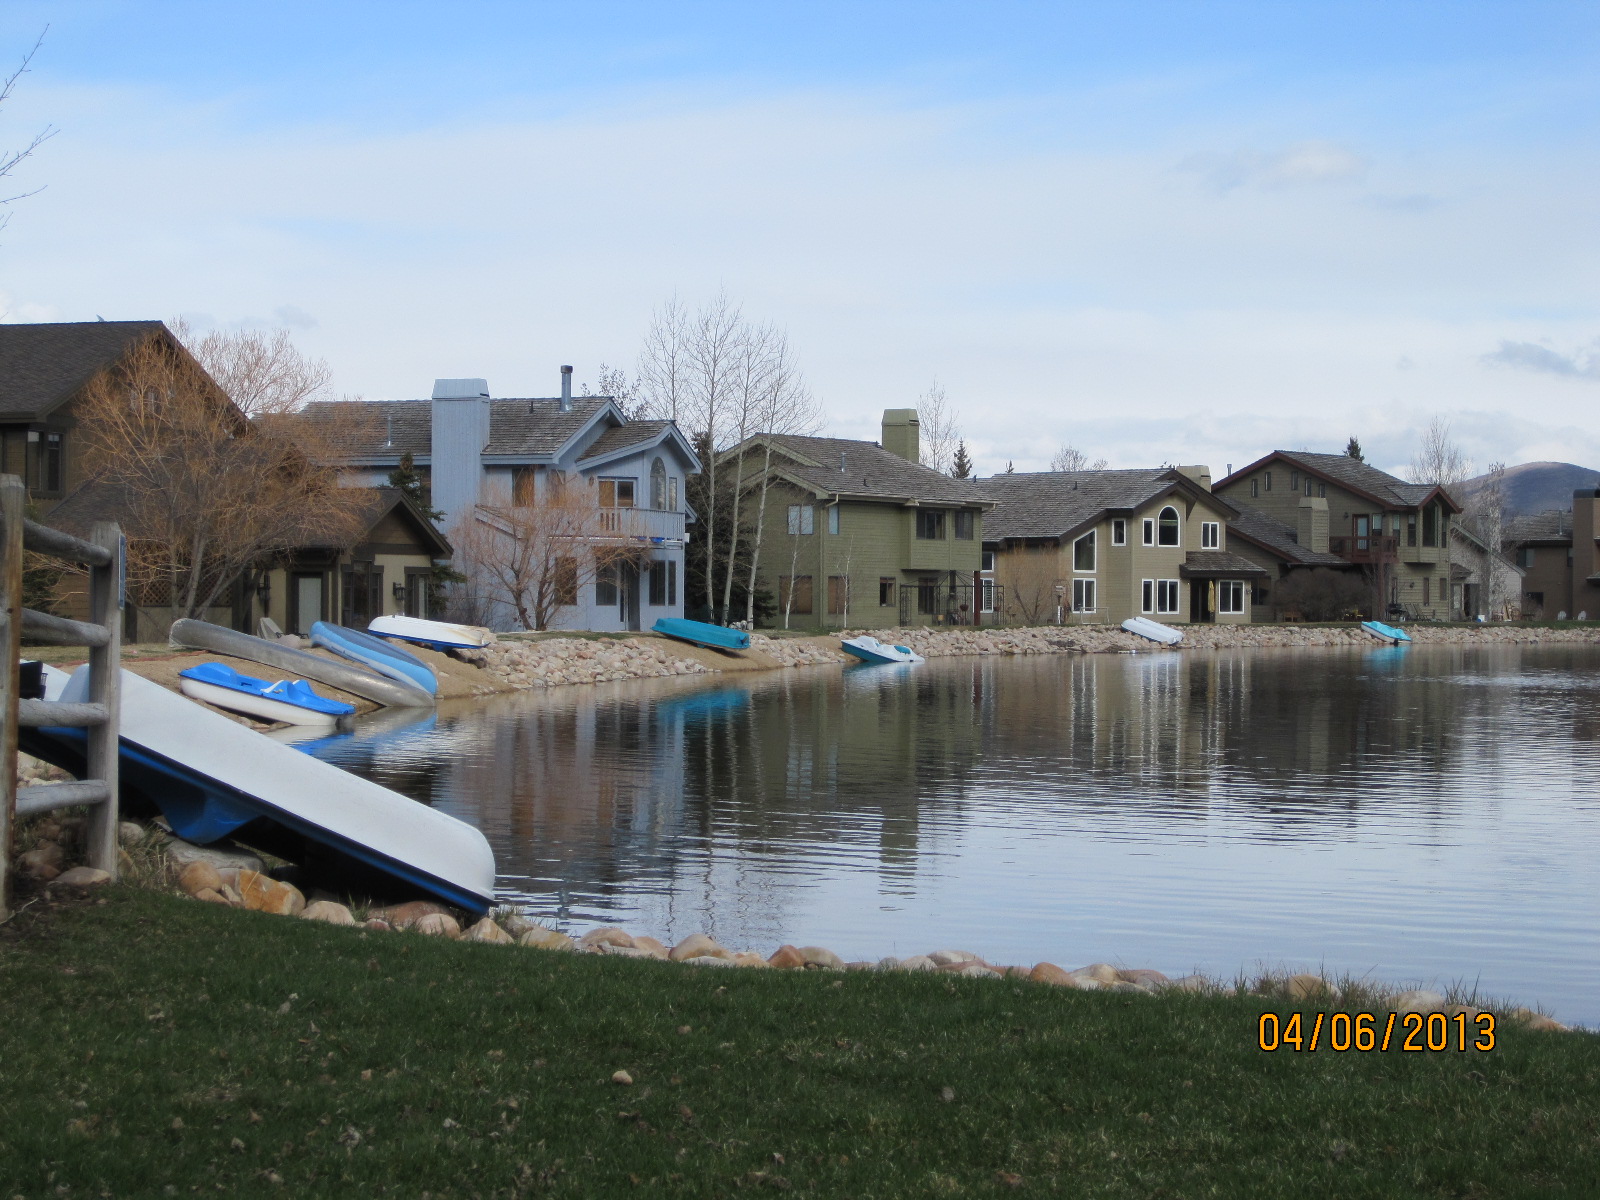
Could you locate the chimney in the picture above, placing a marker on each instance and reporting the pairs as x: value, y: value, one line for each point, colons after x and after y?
x: 566, y: 389
x: 901, y: 433
x: 1311, y: 524
x: 1200, y: 474
x: 460, y: 435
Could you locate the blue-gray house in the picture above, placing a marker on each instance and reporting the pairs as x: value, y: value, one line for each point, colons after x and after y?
x: 612, y: 555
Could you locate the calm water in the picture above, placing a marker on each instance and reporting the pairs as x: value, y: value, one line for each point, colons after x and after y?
x: 1421, y: 814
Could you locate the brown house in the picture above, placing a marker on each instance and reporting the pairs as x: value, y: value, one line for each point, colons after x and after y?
x: 1559, y: 553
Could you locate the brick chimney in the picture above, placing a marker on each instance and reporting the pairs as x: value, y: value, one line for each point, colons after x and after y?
x: 901, y: 433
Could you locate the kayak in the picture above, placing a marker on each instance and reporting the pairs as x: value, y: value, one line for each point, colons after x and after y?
x: 436, y: 635
x: 381, y: 656
x: 289, y: 700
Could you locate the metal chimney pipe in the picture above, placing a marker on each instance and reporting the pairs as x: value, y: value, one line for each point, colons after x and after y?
x: 566, y: 389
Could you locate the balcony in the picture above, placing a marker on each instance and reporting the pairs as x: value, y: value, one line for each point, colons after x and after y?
x: 1372, y: 548
x: 645, y: 523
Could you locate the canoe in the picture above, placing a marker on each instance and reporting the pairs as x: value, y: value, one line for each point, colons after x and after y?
x: 202, y: 635
x: 214, y: 778
x: 871, y: 650
x: 718, y: 637
x: 289, y: 700
x: 381, y: 656
x: 1154, y: 630
x: 1386, y: 633
x: 436, y: 635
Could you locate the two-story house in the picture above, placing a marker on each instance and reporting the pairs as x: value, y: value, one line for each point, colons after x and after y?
x: 487, y: 460
x: 1559, y: 554
x: 1091, y: 547
x: 860, y: 534
x: 1398, y: 532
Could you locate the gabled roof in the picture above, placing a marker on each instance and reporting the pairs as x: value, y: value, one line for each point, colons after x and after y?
x: 1278, y: 539
x: 1353, y: 475
x: 1551, y: 526
x: 375, y: 503
x: 635, y: 436
x: 536, y: 428
x: 43, y: 365
x: 845, y: 467
x: 1052, y: 504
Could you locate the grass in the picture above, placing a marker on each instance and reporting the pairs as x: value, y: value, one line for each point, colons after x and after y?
x: 159, y: 1046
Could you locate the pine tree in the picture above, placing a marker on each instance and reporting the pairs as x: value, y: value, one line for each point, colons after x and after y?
x: 406, y: 478
x: 961, y: 465
x: 1353, y: 450
x: 1010, y: 467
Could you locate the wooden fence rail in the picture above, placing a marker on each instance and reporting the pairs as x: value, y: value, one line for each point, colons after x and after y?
x: 97, y: 714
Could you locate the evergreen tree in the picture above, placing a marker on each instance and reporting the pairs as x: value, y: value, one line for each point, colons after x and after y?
x: 961, y: 465
x: 1353, y: 450
x: 1011, y: 468
x: 406, y: 478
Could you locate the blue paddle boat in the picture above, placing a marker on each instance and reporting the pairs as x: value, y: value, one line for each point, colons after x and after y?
x: 380, y: 655
x: 289, y: 700
x: 1386, y: 633
x: 698, y: 633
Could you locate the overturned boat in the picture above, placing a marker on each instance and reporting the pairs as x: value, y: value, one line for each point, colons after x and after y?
x: 699, y: 633
x: 1154, y: 630
x: 1389, y: 634
x: 436, y: 635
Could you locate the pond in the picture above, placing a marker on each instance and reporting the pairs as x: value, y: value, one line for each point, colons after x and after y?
x: 1424, y: 814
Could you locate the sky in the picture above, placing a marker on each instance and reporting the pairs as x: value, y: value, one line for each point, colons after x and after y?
x: 1160, y: 232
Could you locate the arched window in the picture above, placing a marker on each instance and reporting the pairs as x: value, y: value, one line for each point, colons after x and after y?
x: 658, y: 484
x: 1167, y: 527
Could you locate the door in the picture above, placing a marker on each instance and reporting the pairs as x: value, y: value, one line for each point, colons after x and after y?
x: 306, y: 596
x: 1202, y: 601
x: 1363, y: 532
x: 628, y: 597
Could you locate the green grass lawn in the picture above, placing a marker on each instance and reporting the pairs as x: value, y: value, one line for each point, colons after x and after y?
x: 157, y: 1046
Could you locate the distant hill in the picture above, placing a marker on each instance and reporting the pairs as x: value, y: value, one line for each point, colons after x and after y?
x: 1536, y: 487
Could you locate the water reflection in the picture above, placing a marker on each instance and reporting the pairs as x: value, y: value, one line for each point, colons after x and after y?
x: 1417, y: 812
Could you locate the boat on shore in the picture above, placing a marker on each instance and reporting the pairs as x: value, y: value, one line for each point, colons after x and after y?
x: 436, y: 635
x: 1154, y: 630
x: 375, y: 653
x: 870, y: 650
x: 191, y: 634
x: 699, y: 633
x: 290, y: 701
x: 1390, y: 634
x: 212, y: 778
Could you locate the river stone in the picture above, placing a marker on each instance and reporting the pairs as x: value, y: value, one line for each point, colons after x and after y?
x: 697, y: 945
x: 971, y: 970
x: 1543, y: 1023
x: 1309, y: 987
x: 517, y: 924
x: 437, y: 925
x: 788, y: 958
x: 944, y: 958
x: 820, y: 958
x: 656, y: 949
x: 262, y: 893
x: 606, y: 935
x: 1470, y: 1011
x: 1129, y: 989
x: 211, y: 897
x: 1144, y: 977
x: 221, y: 856
x: 1194, y: 983
x: 46, y: 856
x: 707, y: 960
x: 611, y: 951
x: 547, y: 939
x: 82, y: 877
x: 200, y: 876
x: 487, y: 931
x: 746, y: 958
x: 918, y: 962
x: 1084, y: 982
x: 328, y: 911
x: 404, y: 916
x: 377, y: 925
x: 1419, y: 1000
x: 887, y: 964
x: 1050, y: 973
x: 129, y: 833
x: 1102, y: 973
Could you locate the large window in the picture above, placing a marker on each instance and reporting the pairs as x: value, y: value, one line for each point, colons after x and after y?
x: 833, y: 518
x: 794, y: 594
x: 658, y: 484
x: 664, y: 583
x: 1430, y: 525
x: 1230, y: 596
x: 1167, y: 527
x: 802, y: 520
x: 964, y: 524
x: 46, y: 468
x: 1083, y: 553
x: 616, y: 493
x: 1210, y: 535
x: 1166, y: 595
x: 605, y: 586
x: 1083, y: 595
x: 930, y: 524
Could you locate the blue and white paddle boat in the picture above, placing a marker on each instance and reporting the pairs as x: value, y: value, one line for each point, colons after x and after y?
x: 699, y: 633
x: 289, y: 700
x: 1389, y: 634
x: 870, y: 650
x: 381, y: 656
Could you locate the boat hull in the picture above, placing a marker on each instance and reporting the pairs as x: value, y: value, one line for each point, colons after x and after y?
x: 1386, y: 633
x: 871, y: 650
x: 1155, y: 631
x: 261, y: 707
x: 436, y: 635
x: 380, y: 689
x: 718, y: 637
x: 381, y: 656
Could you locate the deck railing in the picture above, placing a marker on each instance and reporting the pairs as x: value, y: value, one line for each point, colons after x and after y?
x: 1371, y: 548
x: 104, y: 555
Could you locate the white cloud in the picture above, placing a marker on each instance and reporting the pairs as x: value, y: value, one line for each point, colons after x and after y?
x: 1531, y: 356
x: 1312, y: 163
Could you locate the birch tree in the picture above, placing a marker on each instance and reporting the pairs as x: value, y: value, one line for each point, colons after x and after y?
x: 937, y: 422
x: 1438, y: 460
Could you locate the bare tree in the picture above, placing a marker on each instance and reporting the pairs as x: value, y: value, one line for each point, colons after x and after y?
x: 262, y: 371
x: 203, y: 493
x: 11, y: 160
x: 532, y: 551
x: 1070, y: 458
x: 1029, y: 576
x: 614, y: 382
x: 1438, y: 460
x: 938, y: 422
x: 1486, y: 512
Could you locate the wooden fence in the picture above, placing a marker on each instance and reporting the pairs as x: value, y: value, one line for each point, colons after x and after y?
x: 105, y: 557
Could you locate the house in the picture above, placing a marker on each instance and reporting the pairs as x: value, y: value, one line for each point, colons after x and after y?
x: 495, y: 466
x: 1397, y: 532
x: 1559, y: 554
x: 860, y: 534
x: 1092, y: 547
x: 1304, y: 580
x: 1472, y: 565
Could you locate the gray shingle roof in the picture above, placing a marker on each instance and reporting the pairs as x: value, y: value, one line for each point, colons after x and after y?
x: 620, y: 437
x: 516, y: 426
x: 1357, y: 476
x: 1277, y: 538
x: 865, y: 469
x: 1552, y: 525
x: 1047, y: 504
x: 42, y: 365
x: 1206, y: 564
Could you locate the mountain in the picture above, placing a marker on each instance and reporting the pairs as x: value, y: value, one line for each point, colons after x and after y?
x: 1535, y: 487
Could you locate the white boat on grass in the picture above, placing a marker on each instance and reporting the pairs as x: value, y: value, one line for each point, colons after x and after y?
x: 437, y: 635
x: 870, y: 650
x: 1154, y: 630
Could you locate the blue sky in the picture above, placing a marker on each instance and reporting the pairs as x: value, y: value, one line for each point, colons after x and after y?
x: 1162, y: 232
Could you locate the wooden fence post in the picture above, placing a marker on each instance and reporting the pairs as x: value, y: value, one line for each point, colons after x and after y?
x: 13, y: 498
x: 105, y: 669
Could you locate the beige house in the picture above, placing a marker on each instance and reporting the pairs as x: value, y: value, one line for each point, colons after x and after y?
x: 1096, y: 547
x: 860, y: 534
x: 1397, y: 532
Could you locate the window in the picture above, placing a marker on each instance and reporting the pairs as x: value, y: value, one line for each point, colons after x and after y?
x: 1149, y: 531
x: 1294, y: 481
x: 1430, y: 525
x: 1119, y: 532
x: 1147, y: 597
x: 616, y: 493
x: 605, y: 586
x: 988, y: 560
x: 565, y: 582
x: 1308, y: 487
x: 833, y: 518
x: 658, y: 484
x: 964, y: 524
x: 1255, y: 488
x: 672, y: 494
x: 1266, y: 481
x: 1210, y: 535
x: 1322, y: 490
x: 1167, y: 531
x: 1166, y: 595
x: 1425, y: 582
x: 1083, y: 595
x: 523, y: 485
x: 986, y: 595
x: 664, y: 583
x: 1411, y: 529
x: 838, y: 594
x: 930, y: 524
x: 1083, y: 553
x: 1230, y: 596
x: 794, y: 594
x: 885, y: 591
x: 45, y: 474
x: 802, y: 520
x: 928, y: 595
x: 1525, y: 557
